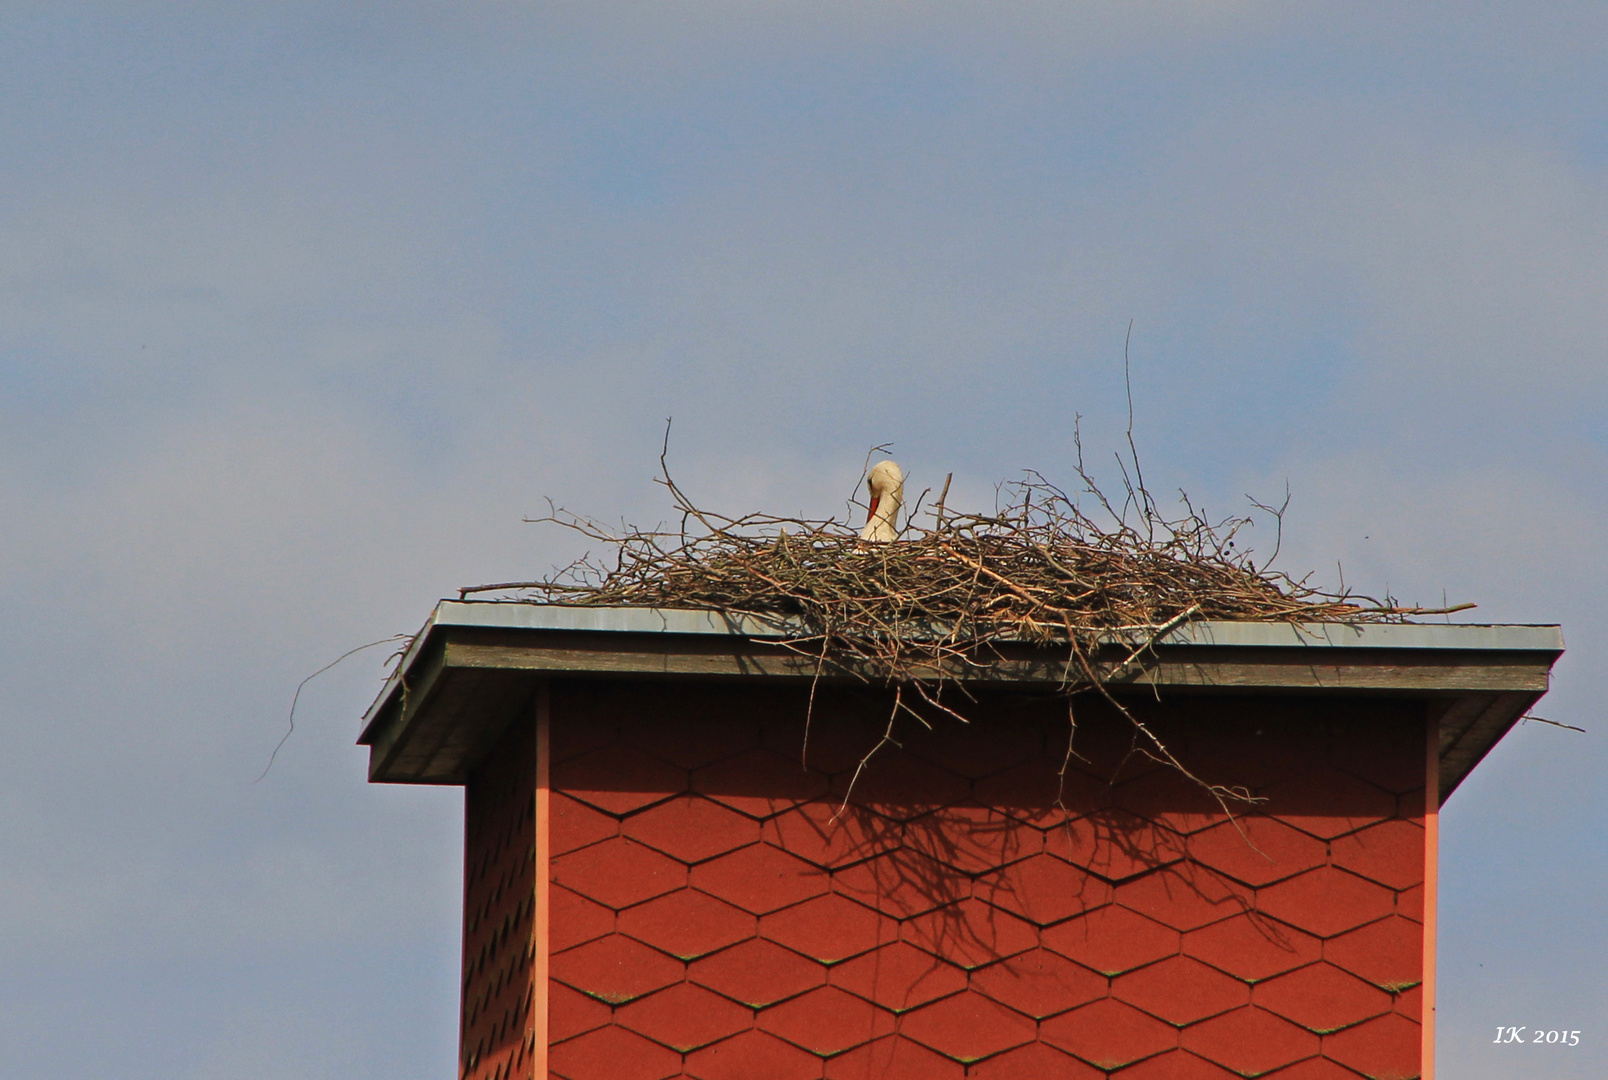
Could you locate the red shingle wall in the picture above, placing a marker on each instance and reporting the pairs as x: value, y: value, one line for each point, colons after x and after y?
x: 717, y: 913
x: 499, y: 898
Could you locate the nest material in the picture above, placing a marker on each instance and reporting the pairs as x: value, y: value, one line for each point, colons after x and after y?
x: 1039, y: 570
x: 926, y: 610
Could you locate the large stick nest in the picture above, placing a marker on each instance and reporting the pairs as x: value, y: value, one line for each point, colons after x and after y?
x: 1039, y: 569
x: 928, y: 609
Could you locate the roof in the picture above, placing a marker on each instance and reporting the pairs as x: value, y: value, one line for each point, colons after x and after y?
x: 476, y: 663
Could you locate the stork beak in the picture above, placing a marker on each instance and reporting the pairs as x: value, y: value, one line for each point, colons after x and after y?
x: 871, y: 513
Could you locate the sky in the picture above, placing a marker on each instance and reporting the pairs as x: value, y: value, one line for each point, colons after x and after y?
x: 304, y: 307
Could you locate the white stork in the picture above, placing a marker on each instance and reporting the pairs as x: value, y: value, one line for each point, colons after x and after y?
x: 886, y: 481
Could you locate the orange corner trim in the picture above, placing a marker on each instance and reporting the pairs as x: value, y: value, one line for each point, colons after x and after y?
x: 1431, y: 888
x: 540, y: 923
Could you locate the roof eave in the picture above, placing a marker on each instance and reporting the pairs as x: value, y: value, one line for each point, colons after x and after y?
x: 1487, y: 675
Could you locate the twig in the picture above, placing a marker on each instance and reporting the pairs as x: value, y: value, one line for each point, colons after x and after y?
x: 942, y: 495
x: 1161, y: 631
x: 1554, y: 723
x: 291, y: 730
x: 501, y: 587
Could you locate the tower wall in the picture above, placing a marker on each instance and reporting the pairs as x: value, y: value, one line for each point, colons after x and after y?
x: 734, y: 897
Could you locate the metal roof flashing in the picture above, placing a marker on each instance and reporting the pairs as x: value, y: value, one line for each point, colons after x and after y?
x: 482, y: 657
x: 636, y: 620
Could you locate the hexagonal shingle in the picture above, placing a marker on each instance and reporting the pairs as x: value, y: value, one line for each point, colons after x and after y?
x: 1388, y: 953
x: 753, y: 1054
x: 1180, y: 990
x: 1250, y: 947
x: 1179, y: 1065
x: 1322, y: 998
x: 1389, y: 753
x: 1254, y: 745
x: 618, y: 872
x: 571, y: 1013
x: 969, y: 933
x: 826, y: 1021
x: 618, y: 779
x: 615, y: 969
x: 1170, y: 799
x: 759, y: 878
x: 902, y: 787
x: 1112, y: 940
x: 972, y: 839
x: 691, y: 829
x: 574, y: 732
x: 574, y: 825
x: 1410, y: 807
x: 829, y: 928
x: 687, y: 923
x: 1388, y: 1045
x: 1038, y: 793
x: 575, y: 920
x: 967, y: 1027
x: 975, y: 750
x: 827, y: 834
x: 1039, y: 983
x: 687, y: 737
x: 1328, y: 803
x: 757, y: 973
x: 684, y: 1017
x: 1108, y: 1034
x: 1104, y: 743
x: 1043, y: 890
x: 1325, y: 901
x: 1249, y: 1041
x: 898, y: 977
x: 1184, y: 896
x: 1114, y: 844
x: 759, y: 783
x: 901, y: 883
x: 612, y: 1053
x: 1314, y: 1068
x: 893, y: 1058
x: 1391, y: 853
x: 836, y: 738
x: 1035, y: 1061
x: 1267, y: 850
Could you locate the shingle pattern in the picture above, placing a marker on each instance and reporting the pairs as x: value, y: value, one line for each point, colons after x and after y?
x: 952, y: 921
x: 499, y: 898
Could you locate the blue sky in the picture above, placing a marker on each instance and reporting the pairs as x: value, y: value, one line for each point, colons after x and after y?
x: 304, y: 307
